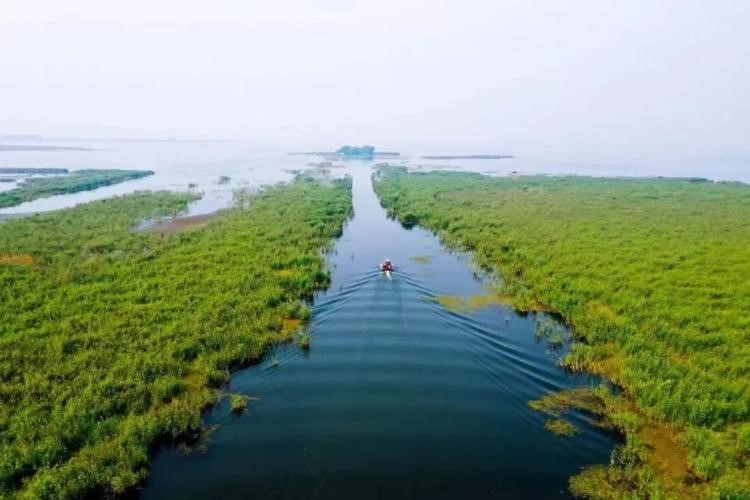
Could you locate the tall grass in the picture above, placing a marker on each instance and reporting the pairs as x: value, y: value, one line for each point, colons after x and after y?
x: 653, y: 274
x: 115, y: 340
x: 79, y: 180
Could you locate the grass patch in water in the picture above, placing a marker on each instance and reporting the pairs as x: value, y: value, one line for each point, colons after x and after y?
x: 73, y: 182
x: 561, y: 427
x: 422, y: 259
x: 457, y: 303
x: 238, y: 403
x: 304, y: 341
x: 558, y: 403
x: 555, y: 333
x: 651, y: 449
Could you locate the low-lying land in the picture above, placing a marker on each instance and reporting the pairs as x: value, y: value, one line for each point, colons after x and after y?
x: 113, y: 340
x: 654, y: 277
x: 467, y: 157
x: 33, y: 170
x: 79, y: 180
x: 40, y: 147
x: 355, y: 152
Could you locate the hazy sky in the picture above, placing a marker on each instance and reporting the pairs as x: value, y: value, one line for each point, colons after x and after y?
x: 656, y: 76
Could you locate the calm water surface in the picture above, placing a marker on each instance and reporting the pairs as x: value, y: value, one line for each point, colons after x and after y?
x: 398, y: 398
x: 180, y: 165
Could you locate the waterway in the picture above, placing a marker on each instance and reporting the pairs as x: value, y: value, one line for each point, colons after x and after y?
x: 398, y: 397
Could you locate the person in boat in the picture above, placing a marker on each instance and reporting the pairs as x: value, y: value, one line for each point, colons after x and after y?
x: 386, y: 266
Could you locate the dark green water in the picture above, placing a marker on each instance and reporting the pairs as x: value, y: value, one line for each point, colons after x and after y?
x: 398, y: 397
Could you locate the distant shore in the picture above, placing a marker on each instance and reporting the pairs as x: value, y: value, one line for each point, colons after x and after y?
x: 377, y: 154
x: 467, y: 157
x: 41, y: 147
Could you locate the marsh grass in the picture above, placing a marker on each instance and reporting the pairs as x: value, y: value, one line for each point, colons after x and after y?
x: 561, y: 427
x: 552, y: 331
x: 238, y: 403
x: 79, y: 180
x: 457, y: 303
x: 558, y: 403
x: 557, y: 339
x: 653, y: 275
x: 304, y: 340
x: 198, y: 443
x: 116, y: 340
x: 289, y: 325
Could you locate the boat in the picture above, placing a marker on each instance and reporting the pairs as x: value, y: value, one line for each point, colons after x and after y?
x: 387, y: 268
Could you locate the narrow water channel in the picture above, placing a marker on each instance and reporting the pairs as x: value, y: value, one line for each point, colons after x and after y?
x: 397, y: 398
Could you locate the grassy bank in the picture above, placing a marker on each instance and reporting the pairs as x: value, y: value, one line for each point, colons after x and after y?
x: 79, y: 180
x: 654, y: 277
x: 114, y: 340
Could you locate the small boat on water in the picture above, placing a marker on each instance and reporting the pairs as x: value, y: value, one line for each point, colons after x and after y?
x: 387, y: 268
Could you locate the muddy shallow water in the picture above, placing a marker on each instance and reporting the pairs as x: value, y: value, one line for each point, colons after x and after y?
x: 398, y: 396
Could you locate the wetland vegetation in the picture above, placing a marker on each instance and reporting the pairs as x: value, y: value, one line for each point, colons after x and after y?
x: 114, y: 340
x: 74, y: 182
x: 468, y: 157
x: 653, y: 275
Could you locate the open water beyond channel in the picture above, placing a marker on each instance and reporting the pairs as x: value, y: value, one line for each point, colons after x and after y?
x: 398, y: 397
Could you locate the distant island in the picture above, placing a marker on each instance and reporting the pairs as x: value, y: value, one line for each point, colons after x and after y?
x: 34, y: 147
x: 34, y: 188
x: 348, y: 151
x: 33, y: 170
x: 467, y: 157
x: 356, y: 150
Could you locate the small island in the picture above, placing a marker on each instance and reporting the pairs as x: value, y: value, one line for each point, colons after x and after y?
x: 352, y: 152
x: 358, y: 151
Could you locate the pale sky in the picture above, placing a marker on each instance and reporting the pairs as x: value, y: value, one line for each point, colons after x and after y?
x: 656, y: 76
